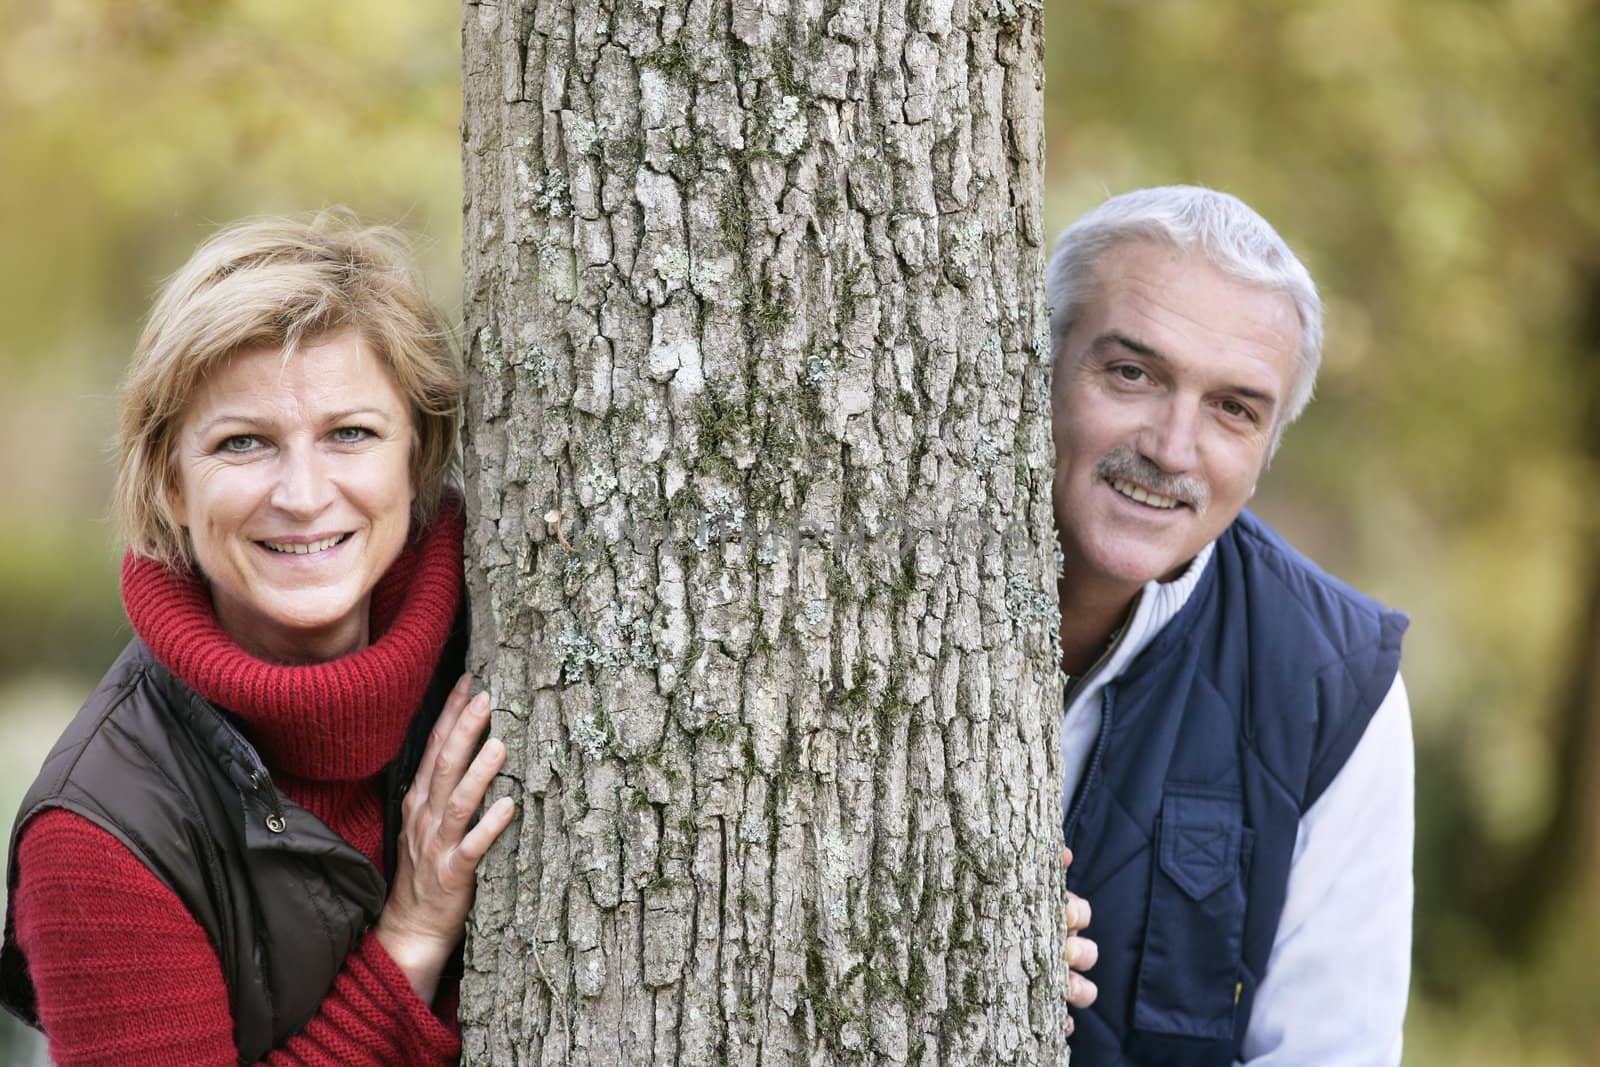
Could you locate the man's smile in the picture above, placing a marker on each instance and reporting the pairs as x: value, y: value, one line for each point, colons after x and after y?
x: 1141, y: 495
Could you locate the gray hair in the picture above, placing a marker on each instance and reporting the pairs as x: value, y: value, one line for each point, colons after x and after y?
x: 1235, y: 240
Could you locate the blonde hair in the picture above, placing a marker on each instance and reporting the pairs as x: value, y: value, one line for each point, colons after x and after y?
x: 286, y: 283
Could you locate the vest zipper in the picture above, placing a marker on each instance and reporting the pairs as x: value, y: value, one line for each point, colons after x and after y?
x: 1091, y: 775
x: 253, y: 777
x: 1074, y: 686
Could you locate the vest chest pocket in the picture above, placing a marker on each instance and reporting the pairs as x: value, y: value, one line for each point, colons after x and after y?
x: 1189, y: 973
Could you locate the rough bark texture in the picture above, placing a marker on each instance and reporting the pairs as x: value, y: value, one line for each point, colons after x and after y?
x: 759, y: 530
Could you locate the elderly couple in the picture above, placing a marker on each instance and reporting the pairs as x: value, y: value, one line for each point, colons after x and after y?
x: 189, y: 886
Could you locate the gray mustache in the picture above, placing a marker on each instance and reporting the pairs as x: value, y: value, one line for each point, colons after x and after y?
x: 1128, y: 465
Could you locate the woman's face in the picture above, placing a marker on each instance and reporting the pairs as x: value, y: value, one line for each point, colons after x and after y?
x: 294, y: 483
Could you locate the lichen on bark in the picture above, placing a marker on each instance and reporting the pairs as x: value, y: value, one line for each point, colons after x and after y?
x: 760, y: 558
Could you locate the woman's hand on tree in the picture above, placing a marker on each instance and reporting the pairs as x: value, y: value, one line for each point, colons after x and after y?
x: 440, y: 848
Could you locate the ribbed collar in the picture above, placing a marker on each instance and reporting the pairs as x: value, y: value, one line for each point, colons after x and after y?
x: 342, y: 720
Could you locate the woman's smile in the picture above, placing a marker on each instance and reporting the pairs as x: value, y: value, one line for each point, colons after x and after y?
x: 303, y: 547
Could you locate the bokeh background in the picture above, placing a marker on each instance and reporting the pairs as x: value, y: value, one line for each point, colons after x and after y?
x: 1435, y: 162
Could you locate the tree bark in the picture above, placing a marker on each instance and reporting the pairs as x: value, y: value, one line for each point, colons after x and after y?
x: 760, y: 547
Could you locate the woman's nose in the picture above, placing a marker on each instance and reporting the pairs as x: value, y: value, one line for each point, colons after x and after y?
x: 303, y: 487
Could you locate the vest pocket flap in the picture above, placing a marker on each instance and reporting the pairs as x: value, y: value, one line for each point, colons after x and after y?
x: 1200, y: 835
x: 1194, y: 933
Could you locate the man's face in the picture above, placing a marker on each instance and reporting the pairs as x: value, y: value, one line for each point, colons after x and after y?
x: 1167, y: 390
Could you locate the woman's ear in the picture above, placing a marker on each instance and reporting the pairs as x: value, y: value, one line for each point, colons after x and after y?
x: 176, y: 505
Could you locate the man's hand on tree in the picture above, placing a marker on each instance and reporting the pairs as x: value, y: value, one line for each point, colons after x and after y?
x: 1082, y: 953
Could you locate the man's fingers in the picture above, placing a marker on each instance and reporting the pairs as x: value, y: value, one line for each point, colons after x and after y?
x: 1082, y: 953
x: 1079, y: 913
x: 1066, y: 857
x: 1083, y: 992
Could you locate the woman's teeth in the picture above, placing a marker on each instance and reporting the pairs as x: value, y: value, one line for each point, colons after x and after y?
x: 308, y: 547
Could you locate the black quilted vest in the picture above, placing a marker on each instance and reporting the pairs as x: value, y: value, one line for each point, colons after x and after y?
x: 282, y: 897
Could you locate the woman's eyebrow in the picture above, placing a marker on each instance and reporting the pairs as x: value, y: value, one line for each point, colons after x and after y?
x: 353, y: 413
x: 229, y: 416
x: 258, y: 420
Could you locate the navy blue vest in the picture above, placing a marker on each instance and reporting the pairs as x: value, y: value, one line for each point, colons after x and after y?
x: 1218, y: 736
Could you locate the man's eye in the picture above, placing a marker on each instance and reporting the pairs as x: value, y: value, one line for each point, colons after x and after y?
x: 1236, y: 410
x: 239, y: 443
x: 351, y: 435
x: 1128, y: 373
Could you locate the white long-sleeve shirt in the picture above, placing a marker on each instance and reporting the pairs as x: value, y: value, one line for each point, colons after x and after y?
x: 1337, y: 979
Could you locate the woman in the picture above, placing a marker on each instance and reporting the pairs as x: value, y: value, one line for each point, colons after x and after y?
x: 195, y: 876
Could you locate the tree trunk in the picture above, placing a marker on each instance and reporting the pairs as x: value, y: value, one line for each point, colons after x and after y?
x: 1563, y: 861
x: 760, y: 544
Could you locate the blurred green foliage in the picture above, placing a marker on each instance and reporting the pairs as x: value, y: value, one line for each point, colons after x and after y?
x: 1434, y: 161
x: 132, y: 129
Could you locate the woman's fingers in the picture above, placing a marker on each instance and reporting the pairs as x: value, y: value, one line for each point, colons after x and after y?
x: 468, y: 793
x: 488, y: 830
x: 455, y: 755
x: 459, y: 695
x: 428, y: 899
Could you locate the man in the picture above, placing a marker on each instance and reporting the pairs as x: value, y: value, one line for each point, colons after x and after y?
x: 1236, y: 743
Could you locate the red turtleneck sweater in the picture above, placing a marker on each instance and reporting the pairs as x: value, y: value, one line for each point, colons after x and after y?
x: 123, y: 973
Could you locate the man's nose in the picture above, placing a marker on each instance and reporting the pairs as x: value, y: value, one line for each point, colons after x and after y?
x: 1171, y: 440
x: 303, y: 486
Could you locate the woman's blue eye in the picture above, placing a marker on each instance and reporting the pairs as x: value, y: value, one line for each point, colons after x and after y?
x: 239, y: 442
x: 349, y: 435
